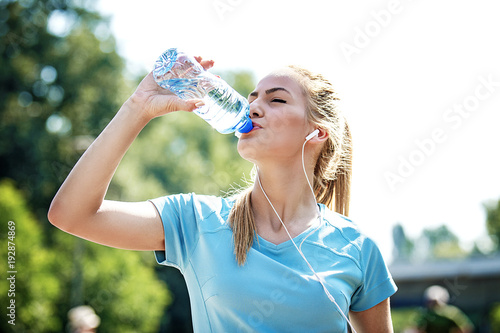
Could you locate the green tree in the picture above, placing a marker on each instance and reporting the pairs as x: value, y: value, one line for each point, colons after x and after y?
x: 493, y: 221
x: 432, y: 243
x: 440, y: 243
x: 60, y: 83
x: 120, y: 285
x: 36, y: 287
x: 403, y: 246
x: 495, y: 318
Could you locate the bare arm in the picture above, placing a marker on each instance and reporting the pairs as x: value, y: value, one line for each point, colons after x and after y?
x: 374, y: 320
x: 79, y: 207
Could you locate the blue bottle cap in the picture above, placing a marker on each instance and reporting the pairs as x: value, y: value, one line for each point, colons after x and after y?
x: 246, y: 127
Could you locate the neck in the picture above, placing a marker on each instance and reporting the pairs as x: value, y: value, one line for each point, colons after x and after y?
x: 288, y: 191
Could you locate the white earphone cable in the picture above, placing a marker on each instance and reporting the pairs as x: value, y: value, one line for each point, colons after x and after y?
x: 330, y: 297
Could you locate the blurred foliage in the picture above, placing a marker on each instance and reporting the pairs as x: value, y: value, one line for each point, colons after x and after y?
x: 404, y: 319
x: 36, y: 303
x: 493, y: 222
x: 120, y: 285
x: 495, y: 318
x: 442, y: 243
x: 433, y: 243
x: 60, y: 83
x: 403, y: 246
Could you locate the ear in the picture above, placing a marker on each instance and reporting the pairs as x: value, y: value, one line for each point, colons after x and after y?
x: 323, y: 134
x: 321, y: 137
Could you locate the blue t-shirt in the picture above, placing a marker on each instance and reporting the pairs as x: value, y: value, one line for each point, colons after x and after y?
x: 275, y: 291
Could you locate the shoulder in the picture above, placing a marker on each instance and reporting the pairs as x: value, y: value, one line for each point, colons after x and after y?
x: 342, y: 226
x: 199, y: 207
x: 342, y: 234
x: 206, y: 205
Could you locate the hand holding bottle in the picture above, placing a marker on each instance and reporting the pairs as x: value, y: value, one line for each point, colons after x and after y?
x: 224, y: 108
x: 153, y: 101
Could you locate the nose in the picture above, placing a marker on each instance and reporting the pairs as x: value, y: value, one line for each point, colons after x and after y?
x: 255, y: 110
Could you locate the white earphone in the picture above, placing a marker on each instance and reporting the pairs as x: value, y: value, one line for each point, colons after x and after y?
x: 312, y: 134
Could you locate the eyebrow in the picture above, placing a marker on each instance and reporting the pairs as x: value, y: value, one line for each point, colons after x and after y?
x: 270, y: 91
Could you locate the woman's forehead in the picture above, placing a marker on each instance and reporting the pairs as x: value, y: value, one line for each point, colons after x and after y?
x: 282, y: 78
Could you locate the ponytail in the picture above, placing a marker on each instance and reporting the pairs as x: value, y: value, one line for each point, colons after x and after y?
x: 335, y: 192
x: 242, y: 222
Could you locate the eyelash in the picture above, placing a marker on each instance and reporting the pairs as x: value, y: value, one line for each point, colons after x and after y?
x: 278, y: 100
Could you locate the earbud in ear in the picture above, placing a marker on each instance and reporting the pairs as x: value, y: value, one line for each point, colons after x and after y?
x: 312, y: 135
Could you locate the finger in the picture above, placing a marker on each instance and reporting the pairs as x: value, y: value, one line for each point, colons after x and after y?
x: 192, y: 104
x: 199, y: 103
x: 207, y: 64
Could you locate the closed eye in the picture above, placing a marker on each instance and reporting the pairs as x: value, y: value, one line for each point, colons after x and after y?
x: 278, y: 100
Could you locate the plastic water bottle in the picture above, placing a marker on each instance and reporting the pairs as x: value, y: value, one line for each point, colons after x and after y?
x: 224, y: 109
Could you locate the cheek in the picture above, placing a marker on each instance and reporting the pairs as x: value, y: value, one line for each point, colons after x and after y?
x: 282, y: 124
x: 288, y: 127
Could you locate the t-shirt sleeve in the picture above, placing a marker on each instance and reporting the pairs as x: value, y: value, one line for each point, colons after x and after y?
x: 180, y: 226
x: 377, y: 283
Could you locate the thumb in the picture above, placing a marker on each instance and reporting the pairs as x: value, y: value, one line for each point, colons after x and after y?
x: 192, y: 104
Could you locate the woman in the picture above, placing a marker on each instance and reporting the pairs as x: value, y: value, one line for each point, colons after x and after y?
x: 271, y: 259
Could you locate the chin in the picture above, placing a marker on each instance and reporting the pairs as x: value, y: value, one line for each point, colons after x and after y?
x: 248, y: 151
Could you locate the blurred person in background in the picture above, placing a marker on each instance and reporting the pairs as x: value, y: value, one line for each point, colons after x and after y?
x: 441, y: 317
x: 83, y: 319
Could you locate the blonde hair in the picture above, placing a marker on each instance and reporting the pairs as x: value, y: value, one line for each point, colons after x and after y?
x: 332, y: 172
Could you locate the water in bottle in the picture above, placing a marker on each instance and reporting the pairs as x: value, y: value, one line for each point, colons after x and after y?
x: 224, y: 109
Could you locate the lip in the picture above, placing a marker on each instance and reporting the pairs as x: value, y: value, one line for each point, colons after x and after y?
x: 255, y: 126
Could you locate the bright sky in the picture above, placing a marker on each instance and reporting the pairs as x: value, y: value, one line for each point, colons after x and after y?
x: 419, y: 80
